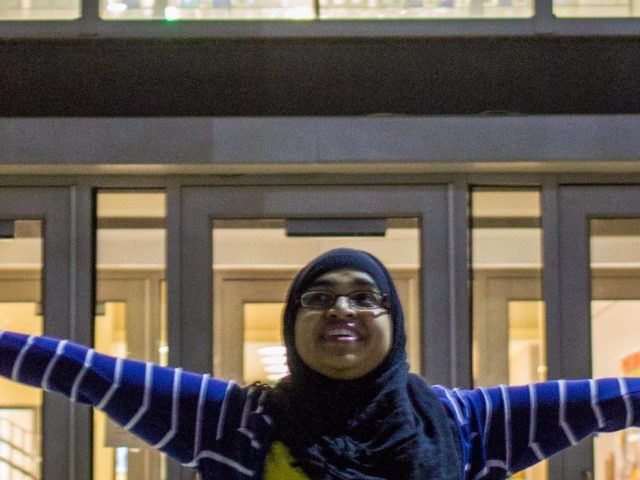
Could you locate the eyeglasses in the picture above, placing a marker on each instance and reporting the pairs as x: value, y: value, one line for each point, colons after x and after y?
x: 319, y: 299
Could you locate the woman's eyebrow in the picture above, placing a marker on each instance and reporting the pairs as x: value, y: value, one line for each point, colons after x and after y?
x: 364, y: 282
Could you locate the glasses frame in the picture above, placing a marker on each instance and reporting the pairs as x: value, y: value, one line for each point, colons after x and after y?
x: 384, y: 300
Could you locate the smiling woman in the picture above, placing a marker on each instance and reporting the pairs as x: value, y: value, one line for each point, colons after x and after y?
x: 350, y: 409
x: 342, y: 330
x: 350, y: 381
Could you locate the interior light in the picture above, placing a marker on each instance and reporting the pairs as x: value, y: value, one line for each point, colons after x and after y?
x: 274, y: 360
x: 172, y: 13
x: 116, y: 7
x: 272, y: 350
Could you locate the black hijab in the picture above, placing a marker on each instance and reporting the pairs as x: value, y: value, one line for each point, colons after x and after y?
x: 386, y: 425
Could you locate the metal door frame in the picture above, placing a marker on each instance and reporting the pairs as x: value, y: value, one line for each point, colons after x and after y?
x: 53, y: 207
x: 445, y: 356
x: 567, y: 288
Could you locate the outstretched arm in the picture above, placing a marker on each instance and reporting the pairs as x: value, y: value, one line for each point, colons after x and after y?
x: 507, y: 429
x: 179, y: 413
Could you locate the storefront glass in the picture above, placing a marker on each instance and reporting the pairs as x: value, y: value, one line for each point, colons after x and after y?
x: 178, y: 10
x: 21, y: 258
x: 508, y: 310
x: 615, y: 340
x: 254, y: 263
x: 39, y: 9
x: 130, y: 316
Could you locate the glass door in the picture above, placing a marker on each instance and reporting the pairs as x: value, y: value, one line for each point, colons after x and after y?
x: 130, y: 315
x: 253, y: 239
x: 34, y: 299
x: 599, y: 308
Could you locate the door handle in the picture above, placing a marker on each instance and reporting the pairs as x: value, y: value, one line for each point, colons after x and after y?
x: 587, y: 475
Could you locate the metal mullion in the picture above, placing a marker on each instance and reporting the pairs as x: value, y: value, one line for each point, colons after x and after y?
x: 83, y: 252
x: 56, y: 301
x: 176, y: 316
x: 89, y: 20
x: 551, y: 278
x: 196, y: 283
x: 437, y: 302
x: 174, y: 272
x: 575, y: 205
x: 459, y: 288
x: 551, y: 294
x: 544, y: 21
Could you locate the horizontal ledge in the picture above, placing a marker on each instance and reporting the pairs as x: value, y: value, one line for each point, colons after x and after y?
x: 336, y: 168
x: 86, y: 27
x: 385, y: 144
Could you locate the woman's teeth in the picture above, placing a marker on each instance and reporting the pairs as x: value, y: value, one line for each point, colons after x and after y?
x: 341, y: 334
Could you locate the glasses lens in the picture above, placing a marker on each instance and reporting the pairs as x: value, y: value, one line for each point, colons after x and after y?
x: 317, y: 299
x: 366, y: 300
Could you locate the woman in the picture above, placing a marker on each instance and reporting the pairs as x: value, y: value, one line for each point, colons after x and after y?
x: 349, y: 409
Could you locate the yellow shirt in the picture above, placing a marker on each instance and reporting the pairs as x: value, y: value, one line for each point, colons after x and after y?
x: 278, y: 465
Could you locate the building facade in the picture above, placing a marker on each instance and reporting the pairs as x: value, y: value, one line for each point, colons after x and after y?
x: 161, y: 180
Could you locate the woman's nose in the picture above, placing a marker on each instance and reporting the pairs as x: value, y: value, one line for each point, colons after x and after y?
x: 341, y: 308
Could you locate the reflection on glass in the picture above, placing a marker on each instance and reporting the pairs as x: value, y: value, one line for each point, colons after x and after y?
x: 508, y: 311
x: 265, y: 357
x: 527, y: 352
x: 39, y: 9
x: 615, y: 336
x: 130, y: 317
x: 20, y: 311
x: 254, y: 263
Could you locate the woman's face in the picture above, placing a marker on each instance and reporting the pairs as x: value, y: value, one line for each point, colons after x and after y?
x: 343, y: 342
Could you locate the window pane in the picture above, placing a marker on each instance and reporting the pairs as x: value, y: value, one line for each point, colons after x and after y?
x: 596, y: 8
x: 20, y: 311
x: 39, y: 9
x: 265, y: 357
x: 254, y: 263
x: 206, y: 9
x: 173, y: 10
x: 382, y: 9
x: 615, y: 336
x: 130, y: 316
x: 508, y: 311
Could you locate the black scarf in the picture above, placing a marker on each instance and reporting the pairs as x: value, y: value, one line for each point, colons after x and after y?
x: 388, y: 424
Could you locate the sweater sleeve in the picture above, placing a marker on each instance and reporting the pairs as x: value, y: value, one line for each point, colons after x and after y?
x: 507, y: 429
x: 179, y: 413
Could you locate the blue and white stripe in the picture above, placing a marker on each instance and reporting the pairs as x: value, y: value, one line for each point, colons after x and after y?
x: 500, y: 427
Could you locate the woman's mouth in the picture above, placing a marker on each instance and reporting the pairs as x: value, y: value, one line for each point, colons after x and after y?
x: 341, y: 335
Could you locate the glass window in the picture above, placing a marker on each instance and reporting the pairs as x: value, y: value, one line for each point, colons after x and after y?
x: 508, y: 310
x: 385, y: 9
x: 130, y: 316
x: 615, y: 336
x: 39, y: 9
x: 596, y: 8
x: 21, y: 257
x: 254, y: 263
x: 172, y: 10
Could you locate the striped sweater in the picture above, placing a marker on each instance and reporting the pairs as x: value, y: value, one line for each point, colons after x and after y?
x: 221, y: 429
